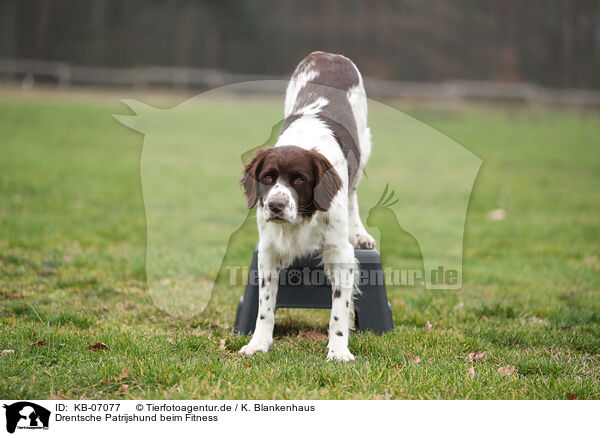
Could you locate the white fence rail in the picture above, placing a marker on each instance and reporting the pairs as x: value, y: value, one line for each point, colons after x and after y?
x: 65, y: 75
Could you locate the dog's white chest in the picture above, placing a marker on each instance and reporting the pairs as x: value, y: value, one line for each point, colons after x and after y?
x: 292, y: 241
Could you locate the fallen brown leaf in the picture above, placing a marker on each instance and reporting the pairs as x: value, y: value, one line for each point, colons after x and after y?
x: 507, y: 370
x: 37, y: 344
x: 476, y: 355
x: 414, y: 358
x: 222, y: 345
x: 98, y: 346
x: 171, y: 340
x: 571, y: 396
x: 471, y: 371
x: 8, y: 352
x: 428, y: 327
x: 122, y: 389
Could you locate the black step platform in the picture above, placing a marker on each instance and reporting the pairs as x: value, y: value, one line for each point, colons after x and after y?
x: 372, y: 309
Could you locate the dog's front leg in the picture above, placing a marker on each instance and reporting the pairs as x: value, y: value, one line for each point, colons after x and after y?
x: 268, y: 280
x: 340, y: 267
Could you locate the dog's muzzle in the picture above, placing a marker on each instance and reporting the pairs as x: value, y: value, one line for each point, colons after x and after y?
x: 276, y: 207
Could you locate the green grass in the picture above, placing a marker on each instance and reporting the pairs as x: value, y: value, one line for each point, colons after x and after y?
x: 72, y: 268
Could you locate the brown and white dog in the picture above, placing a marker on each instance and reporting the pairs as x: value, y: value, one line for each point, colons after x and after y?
x: 305, y: 187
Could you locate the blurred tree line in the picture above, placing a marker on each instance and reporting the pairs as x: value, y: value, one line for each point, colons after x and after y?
x: 551, y: 42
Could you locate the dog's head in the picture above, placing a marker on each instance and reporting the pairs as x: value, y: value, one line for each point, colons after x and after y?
x: 290, y: 183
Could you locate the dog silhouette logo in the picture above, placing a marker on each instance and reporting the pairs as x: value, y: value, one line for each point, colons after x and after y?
x: 26, y: 415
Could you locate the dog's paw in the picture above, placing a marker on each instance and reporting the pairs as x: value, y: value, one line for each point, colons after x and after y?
x: 254, y: 346
x: 363, y: 241
x: 339, y: 354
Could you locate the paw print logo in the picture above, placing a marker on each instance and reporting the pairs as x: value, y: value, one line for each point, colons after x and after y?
x: 294, y: 277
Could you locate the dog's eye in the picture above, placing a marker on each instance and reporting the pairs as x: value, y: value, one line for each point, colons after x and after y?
x: 298, y: 180
x: 268, y: 178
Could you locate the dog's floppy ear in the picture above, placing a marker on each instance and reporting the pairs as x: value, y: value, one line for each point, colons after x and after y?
x: 327, y: 181
x: 250, y: 179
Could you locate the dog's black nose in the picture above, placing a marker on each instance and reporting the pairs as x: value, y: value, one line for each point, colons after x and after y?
x: 276, y: 205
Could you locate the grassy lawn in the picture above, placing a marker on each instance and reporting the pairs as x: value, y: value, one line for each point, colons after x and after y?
x: 72, y: 268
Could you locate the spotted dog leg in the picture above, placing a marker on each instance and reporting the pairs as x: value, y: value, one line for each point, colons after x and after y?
x: 268, y: 279
x: 340, y: 267
x: 358, y: 234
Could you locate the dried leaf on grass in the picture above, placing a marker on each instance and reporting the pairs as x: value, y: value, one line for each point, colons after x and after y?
x: 37, y: 344
x: 98, y: 346
x: 571, y: 396
x: 471, y: 371
x: 476, y: 355
x: 428, y: 327
x: 123, y: 389
x: 8, y: 352
x: 507, y: 370
x: 414, y: 358
x: 222, y: 345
